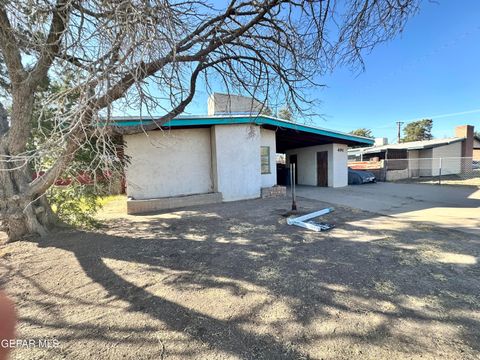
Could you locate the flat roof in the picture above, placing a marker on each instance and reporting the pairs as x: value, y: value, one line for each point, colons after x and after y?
x: 411, y: 145
x: 289, y: 127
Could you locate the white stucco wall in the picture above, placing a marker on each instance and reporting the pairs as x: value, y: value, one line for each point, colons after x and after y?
x: 170, y: 163
x: 413, y: 163
x: 450, y: 150
x: 340, y: 165
x: 425, y: 162
x: 451, y: 162
x: 307, y: 164
x: 236, y: 161
x: 267, y: 138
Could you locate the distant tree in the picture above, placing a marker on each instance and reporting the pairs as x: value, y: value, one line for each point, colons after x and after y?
x: 266, y: 111
x: 285, y: 113
x: 418, y: 130
x: 477, y: 134
x: 363, y: 132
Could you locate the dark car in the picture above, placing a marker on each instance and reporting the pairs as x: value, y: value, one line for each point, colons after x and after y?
x: 358, y: 177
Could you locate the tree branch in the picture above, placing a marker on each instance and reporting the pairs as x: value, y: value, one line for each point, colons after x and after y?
x: 10, y: 50
x: 145, y: 70
x: 52, y: 45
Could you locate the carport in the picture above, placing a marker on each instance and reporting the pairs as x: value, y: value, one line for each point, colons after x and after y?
x: 319, y: 155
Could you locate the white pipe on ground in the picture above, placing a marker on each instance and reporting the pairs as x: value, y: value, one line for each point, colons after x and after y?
x: 291, y: 221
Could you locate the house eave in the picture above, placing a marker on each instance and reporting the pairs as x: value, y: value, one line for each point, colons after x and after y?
x: 261, y: 120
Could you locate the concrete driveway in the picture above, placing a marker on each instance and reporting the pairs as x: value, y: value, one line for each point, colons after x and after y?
x: 456, y: 207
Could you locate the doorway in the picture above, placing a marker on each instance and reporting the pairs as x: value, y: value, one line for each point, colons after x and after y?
x: 322, y: 168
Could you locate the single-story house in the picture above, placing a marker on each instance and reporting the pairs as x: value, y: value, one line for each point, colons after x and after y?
x: 213, y: 158
x: 422, y: 158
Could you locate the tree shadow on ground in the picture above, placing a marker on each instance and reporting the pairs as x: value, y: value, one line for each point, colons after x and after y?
x: 357, y: 268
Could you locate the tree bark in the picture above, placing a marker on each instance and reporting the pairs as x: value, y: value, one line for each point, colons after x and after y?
x: 22, y: 215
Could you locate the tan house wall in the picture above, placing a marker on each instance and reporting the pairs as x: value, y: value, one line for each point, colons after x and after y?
x: 476, y: 154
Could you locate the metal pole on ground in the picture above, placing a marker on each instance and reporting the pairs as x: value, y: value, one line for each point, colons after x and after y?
x: 292, y: 176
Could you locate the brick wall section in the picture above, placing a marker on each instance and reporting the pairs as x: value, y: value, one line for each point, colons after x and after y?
x: 366, y: 165
x: 274, y: 191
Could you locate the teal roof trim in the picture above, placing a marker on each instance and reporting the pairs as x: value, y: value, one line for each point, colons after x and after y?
x: 258, y: 120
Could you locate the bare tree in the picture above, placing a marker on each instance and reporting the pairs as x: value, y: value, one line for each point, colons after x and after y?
x: 150, y: 55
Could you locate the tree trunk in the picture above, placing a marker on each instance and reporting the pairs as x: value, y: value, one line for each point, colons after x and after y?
x: 25, y: 217
x: 21, y: 216
x: 23, y: 213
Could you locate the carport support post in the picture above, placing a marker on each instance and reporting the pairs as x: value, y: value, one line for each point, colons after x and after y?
x: 292, y: 184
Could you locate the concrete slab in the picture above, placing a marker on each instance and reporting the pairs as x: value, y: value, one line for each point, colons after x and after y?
x: 151, y: 205
x: 456, y: 207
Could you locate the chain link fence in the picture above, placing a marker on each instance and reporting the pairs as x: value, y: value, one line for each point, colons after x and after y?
x: 441, y: 170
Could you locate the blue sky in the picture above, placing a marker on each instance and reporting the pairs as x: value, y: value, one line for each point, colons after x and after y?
x: 431, y: 69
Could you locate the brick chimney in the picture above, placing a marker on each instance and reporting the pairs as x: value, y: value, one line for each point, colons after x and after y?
x: 465, y: 131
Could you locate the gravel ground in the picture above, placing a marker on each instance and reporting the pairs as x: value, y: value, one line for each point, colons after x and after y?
x: 234, y: 281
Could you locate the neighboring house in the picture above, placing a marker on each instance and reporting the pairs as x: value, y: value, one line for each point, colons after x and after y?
x: 476, y: 148
x: 213, y: 158
x: 423, y: 158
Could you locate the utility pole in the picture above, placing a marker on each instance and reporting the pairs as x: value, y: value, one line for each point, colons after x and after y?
x: 399, y: 125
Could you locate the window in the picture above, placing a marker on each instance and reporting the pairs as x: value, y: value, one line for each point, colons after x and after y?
x: 265, y: 159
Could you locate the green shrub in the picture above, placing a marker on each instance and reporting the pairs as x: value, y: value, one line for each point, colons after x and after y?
x: 76, y: 204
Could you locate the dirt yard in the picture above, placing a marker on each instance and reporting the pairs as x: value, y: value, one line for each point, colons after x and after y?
x: 234, y: 281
